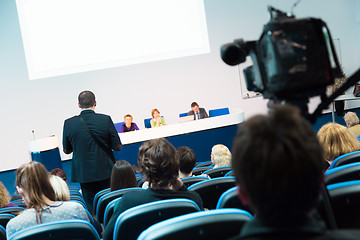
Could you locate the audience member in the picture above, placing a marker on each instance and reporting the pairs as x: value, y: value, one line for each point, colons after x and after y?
x: 122, y: 176
x: 33, y: 184
x: 278, y: 170
x: 220, y: 156
x: 157, y: 159
x: 352, y: 123
x: 129, y: 125
x: 5, y: 197
x: 157, y: 120
x: 336, y: 140
x: 59, y: 172
x: 187, y: 161
x: 60, y: 187
x: 199, y: 113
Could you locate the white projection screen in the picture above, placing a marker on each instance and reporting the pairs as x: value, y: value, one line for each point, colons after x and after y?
x: 69, y: 36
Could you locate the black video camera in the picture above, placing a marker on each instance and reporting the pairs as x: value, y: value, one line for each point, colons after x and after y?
x: 294, y: 59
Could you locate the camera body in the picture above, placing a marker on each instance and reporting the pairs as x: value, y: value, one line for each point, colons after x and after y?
x: 294, y: 59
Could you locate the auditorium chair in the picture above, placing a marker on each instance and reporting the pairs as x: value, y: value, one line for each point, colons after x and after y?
x: 108, y: 197
x: 183, y: 114
x: 2, y: 233
x: 5, y: 218
x: 109, y: 211
x: 230, y: 199
x: 345, y: 159
x: 218, y: 112
x: 211, y: 190
x: 133, y: 221
x: 209, y: 225
x: 12, y: 210
x: 98, y: 196
x: 203, y: 164
x: 199, y: 171
x: 188, y: 181
x: 343, y: 173
x: 118, y: 126
x: 69, y: 230
x: 217, y: 172
x: 230, y: 173
x: 147, y: 122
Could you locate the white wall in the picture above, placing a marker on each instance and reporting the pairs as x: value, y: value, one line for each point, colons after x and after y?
x: 171, y: 85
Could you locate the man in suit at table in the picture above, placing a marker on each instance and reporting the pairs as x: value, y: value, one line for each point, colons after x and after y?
x: 199, y: 113
x: 91, y: 137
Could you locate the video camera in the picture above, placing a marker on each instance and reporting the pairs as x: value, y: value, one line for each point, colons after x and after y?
x: 293, y: 60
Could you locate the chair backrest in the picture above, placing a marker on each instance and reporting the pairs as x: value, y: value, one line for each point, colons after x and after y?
x: 109, y: 211
x: 99, y: 229
x: 98, y: 196
x: 147, y: 122
x: 345, y: 159
x: 200, y: 170
x: 218, y: 172
x: 218, y: 112
x: 5, y: 218
x: 108, y: 197
x: 230, y: 199
x: 203, y: 164
x: 345, y: 202
x: 191, y: 180
x: 348, y: 172
x: 183, y: 114
x: 211, y: 190
x: 213, y: 224
x: 133, y: 221
x: 70, y: 230
x: 118, y: 126
x: 2, y: 233
x: 12, y: 210
x: 230, y: 173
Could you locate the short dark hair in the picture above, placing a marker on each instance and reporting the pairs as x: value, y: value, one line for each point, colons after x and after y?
x: 157, y: 159
x: 278, y: 163
x: 59, y: 172
x: 194, y: 104
x: 122, y: 176
x: 187, y: 159
x: 86, y: 99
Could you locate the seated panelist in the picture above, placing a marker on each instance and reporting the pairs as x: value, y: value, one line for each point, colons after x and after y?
x: 128, y: 126
x: 157, y: 120
x: 199, y: 113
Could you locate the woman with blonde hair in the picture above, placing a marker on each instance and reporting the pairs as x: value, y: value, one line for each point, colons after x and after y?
x: 60, y: 187
x: 336, y: 140
x: 5, y: 197
x: 220, y: 156
x: 33, y: 184
x: 352, y: 122
x: 157, y: 120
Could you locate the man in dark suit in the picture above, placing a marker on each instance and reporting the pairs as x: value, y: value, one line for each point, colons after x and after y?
x: 91, y: 137
x: 199, y: 113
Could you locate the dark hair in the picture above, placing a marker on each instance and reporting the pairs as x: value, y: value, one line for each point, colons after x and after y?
x: 122, y: 176
x: 159, y: 162
x: 86, y: 99
x: 187, y: 159
x: 277, y: 161
x: 194, y: 104
x: 59, y: 172
x: 34, y: 179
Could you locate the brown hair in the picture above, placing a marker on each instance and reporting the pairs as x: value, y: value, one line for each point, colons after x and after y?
x: 122, y: 176
x: 153, y: 111
x: 187, y: 159
x: 4, y: 196
x: 59, y: 172
x: 159, y: 162
x: 194, y: 104
x: 336, y: 140
x: 128, y: 115
x: 86, y: 99
x: 33, y: 178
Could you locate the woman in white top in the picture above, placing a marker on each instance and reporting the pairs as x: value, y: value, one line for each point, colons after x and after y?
x: 33, y: 184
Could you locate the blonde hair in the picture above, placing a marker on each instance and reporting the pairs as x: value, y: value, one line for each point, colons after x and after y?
x: 351, y: 119
x: 336, y: 140
x: 60, y: 187
x: 221, y: 155
x: 128, y: 115
x: 153, y: 111
x: 4, y: 196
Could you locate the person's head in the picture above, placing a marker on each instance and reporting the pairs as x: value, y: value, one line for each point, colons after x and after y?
x: 4, y: 196
x: 33, y: 184
x: 187, y: 160
x: 59, y: 172
x: 122, y: 176
x: 155, y: 113
x: 195, y: 107
x: 86, y: 99
x: 220, y: 155
x: 278, y: 165
x: 60, y: 187
x: 128, y: 119
x: 336, y: 140
x: 351, y: 119
x: 159, y: 162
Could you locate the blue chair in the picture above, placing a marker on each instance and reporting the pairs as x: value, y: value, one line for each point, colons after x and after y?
x: 2, y: 233
x: 109, y: 211
x: 203, y: 164
x: 183, y: 114
x: 213, y: 224
x: 200, y: 170
x: 5, y: 218
x: 217, y: 172
x: 211, y: 190
x: 147, y: 122
x: 345, y: 159
x: 133, y: 221
x: 230, y: 173
x: 230, y: 199
x: 70, y: 230
x: 218, y: 112
x: 98, y: 196
x: 188, y: 181
x: 12, y: 210
x: 348, y: 172
x: 118, y: 126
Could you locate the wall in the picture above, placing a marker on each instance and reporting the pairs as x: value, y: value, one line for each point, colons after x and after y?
x: 171, y: 85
